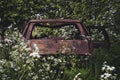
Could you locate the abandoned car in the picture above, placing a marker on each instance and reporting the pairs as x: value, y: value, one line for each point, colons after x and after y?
x: 52, y: 36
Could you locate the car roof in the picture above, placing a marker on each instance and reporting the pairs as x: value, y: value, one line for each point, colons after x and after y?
x: 55, y: 20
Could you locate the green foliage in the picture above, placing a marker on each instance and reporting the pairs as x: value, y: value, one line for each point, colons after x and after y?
x: 15, y: 62
x: 90, y: 12
x: 59, y: 31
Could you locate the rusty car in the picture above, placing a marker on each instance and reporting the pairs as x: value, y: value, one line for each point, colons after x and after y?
x: 53, y: 36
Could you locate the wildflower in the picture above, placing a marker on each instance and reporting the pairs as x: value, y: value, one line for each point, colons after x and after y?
x: 21, y: 43
x: 7, y: 40
x: 103, y: 68
x: 108, y: 72
x: 59, y: 60
x: 51, y: 71
x: 61, y: 72
x: 0, y: 45
x: 107, y: 75
x: 102, y: 76
x: 15, y: 29
x: 76, y: 76
x: 51, y: 57
x: 1, y: 69
x: 44, y: 59
x: 9, y: 27
x: 47, y: 67
x: 35, y: 54
x: 86, y: 58
x: 24, y: 47
x: 35, y: 77
x: 16, y: 46
x: 112, y: 68
x: 40, y: 70
x: 2, y: 62
x: 28, y: 49
x: 20, y: 35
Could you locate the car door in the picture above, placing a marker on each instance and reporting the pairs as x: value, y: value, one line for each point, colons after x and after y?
x: 99, y: 36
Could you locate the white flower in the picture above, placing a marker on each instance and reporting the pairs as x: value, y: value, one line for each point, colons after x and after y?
x: 35, y: 54
x: 51, y: 57
x: 103, y: 68
x: 40, y: 70
x: 79, y: 79
x: 112, y: 68
x: 20, y: 35
x: 15, y: 28
x: 61, y: 72
x: 16, y: 46
x: 25, y: 46
x: 9, y: 27
x: 105, y: 63
x: 108, y: 67
x: 76, y: 76
x: 0, y: 45
x: 7, y: 40
x: 28, y: 49
x: 107, y: 72
x: 2, y: 62
x: 22, y: 43
x: 51, y: 71
x: 47, y: 67
x: 102, y: 76
x: 59, y: 60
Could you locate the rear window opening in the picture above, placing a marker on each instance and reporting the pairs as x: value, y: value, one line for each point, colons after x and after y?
x: 56, y: 31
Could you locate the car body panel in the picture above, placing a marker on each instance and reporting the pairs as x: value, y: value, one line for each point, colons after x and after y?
x: 50, y: 46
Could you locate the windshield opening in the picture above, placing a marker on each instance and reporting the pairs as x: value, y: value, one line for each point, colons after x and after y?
x: 60, y: 31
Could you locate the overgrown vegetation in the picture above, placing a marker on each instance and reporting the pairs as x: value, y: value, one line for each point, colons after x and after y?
x: 17, y: 64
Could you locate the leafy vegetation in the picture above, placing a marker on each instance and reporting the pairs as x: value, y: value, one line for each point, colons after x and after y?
x: 17, y: 64
x: 68, y: 31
